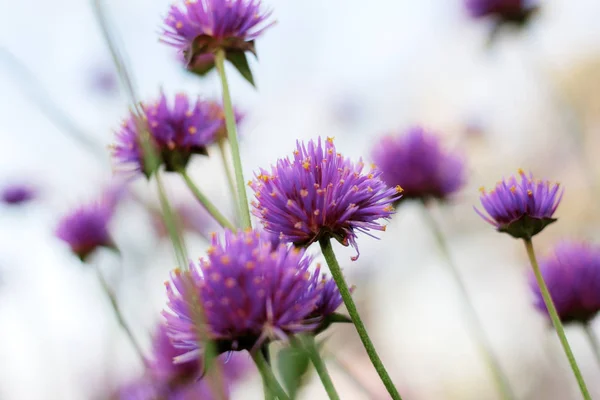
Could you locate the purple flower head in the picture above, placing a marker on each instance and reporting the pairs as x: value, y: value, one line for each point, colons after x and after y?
x: 250, y: 295
x: 572, y: 274
x: 176, y: 132
x: 163, y: 369
x: 504, y: 11
x: 200, y: 27
x: 142, y: 389
x: 417, y: 162
x: 218, y: 114
x: 86, y: 228
x: 521, y: 208
x: 320, y: 194
x: 16, y: 194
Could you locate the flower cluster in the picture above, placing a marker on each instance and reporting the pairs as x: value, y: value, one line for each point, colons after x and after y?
x: 201, y: 27
x: 250, y: 294
x: 417, y: 162
x: 176, y: 133
x: 572, y: 274
x: 320, y: 194
x: 522, y: 208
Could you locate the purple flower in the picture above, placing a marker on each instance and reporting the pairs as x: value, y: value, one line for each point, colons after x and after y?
x: 202, y: 27
x: 417, y: 162
x: 142, y: 389
x: 16, y: 194
x: 86, y: 228
x: 218, y: 114
x: 250, y: 295
x: 505, y: 11
x: 319, y: 194
x: 572, y: 274
x: 163, y: 369
x: 176, y: 132
x: 521, y: 208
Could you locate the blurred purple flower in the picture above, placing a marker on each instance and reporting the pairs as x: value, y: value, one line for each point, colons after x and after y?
x: 103, y: 80
x: 250, y: 295
x: 86, y: 228
x: 572, y: 274
x: 201, y: 27
x: 521, y: 209
x: 319, y: 193
x: 218, y: 114
x: 504, y: 11
x: 142, y: 389
x: 417, y: 162
x: 177, y: 132
x: 161, y: 366
x: 18, y: 193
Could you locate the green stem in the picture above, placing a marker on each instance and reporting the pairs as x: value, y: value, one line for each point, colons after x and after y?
x: 320, y: 367
x: 117, y: 311
x: 336, y: 272
x: 269, y: 380
x: 227, y: 168
x: 233, y: 142
x: 208, y: 205
x: 483, y: 343
x: 560, y: 331
x: 593, y: 339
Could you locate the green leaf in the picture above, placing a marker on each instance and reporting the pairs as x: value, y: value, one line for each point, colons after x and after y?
x: 293, y: 363
x: 240, y: 62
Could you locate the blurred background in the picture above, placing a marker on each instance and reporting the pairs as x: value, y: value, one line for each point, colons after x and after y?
x: 349, y: 69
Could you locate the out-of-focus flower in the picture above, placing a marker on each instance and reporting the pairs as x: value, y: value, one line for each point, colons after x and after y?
x: 417, y: 162
x: 250, y: 294
x: 176, y: 133
x: 218, y: 114
x: 199, y: 28
x: 18, y: 193
x: 515, y: 11
x: 572, y: 274
x: 103, y: 80
x: 319, y: 193
x: 521, y: 208
x: 161, y: 366
x: 86, y: 228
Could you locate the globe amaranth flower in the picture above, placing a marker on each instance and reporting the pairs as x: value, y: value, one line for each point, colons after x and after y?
x: 417, y: 162
x: 504, y: 11
x: 320, y: 194
x: 86, y: 228
x: 218, y: 114
x: 250, y: 294
x: 199, y: 28
x: 572, y: 274
x: 521, y: 208
x: 176, y: 132
x: 18, y: 193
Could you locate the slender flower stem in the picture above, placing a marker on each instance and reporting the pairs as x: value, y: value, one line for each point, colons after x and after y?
x: 227, y: 168
x: 233, y: 142
x: 483, y: 343
x: 336, y: 272
x: 593, y: 339
x: 117, y: 311
x: 320, y: 367
x: 560, y: 331
x: 208, y: 205
x: 268, y: 377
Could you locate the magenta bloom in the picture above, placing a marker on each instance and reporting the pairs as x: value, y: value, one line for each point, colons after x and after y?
x: 572, y: 274
x: 521, y: 208
x: 417, y: 162
x: 250, y: 295
x: 201, y: 27
x: 16, y: 194
x: 163, y: 369
x: 85, y: 229
x: 176, y: 132
x: 320, y: 194
x: 504, y: 11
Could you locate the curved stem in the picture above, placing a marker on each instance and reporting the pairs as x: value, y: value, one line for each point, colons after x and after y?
x: 483, y: 344
x: 208, y: 205
x: 560, y: 331
x: 336, y: 272
x: 233, y: 142
x: 593, y: 339
x: 268, y: 377
x: 117, y: 311
x: 320, y: 367
x: 227, y: 168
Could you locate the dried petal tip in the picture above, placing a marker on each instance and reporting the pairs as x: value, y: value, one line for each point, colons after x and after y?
x: 417, y: 162
x: 521, y: 208
x: 320, y: 194
x: 572, y: 274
